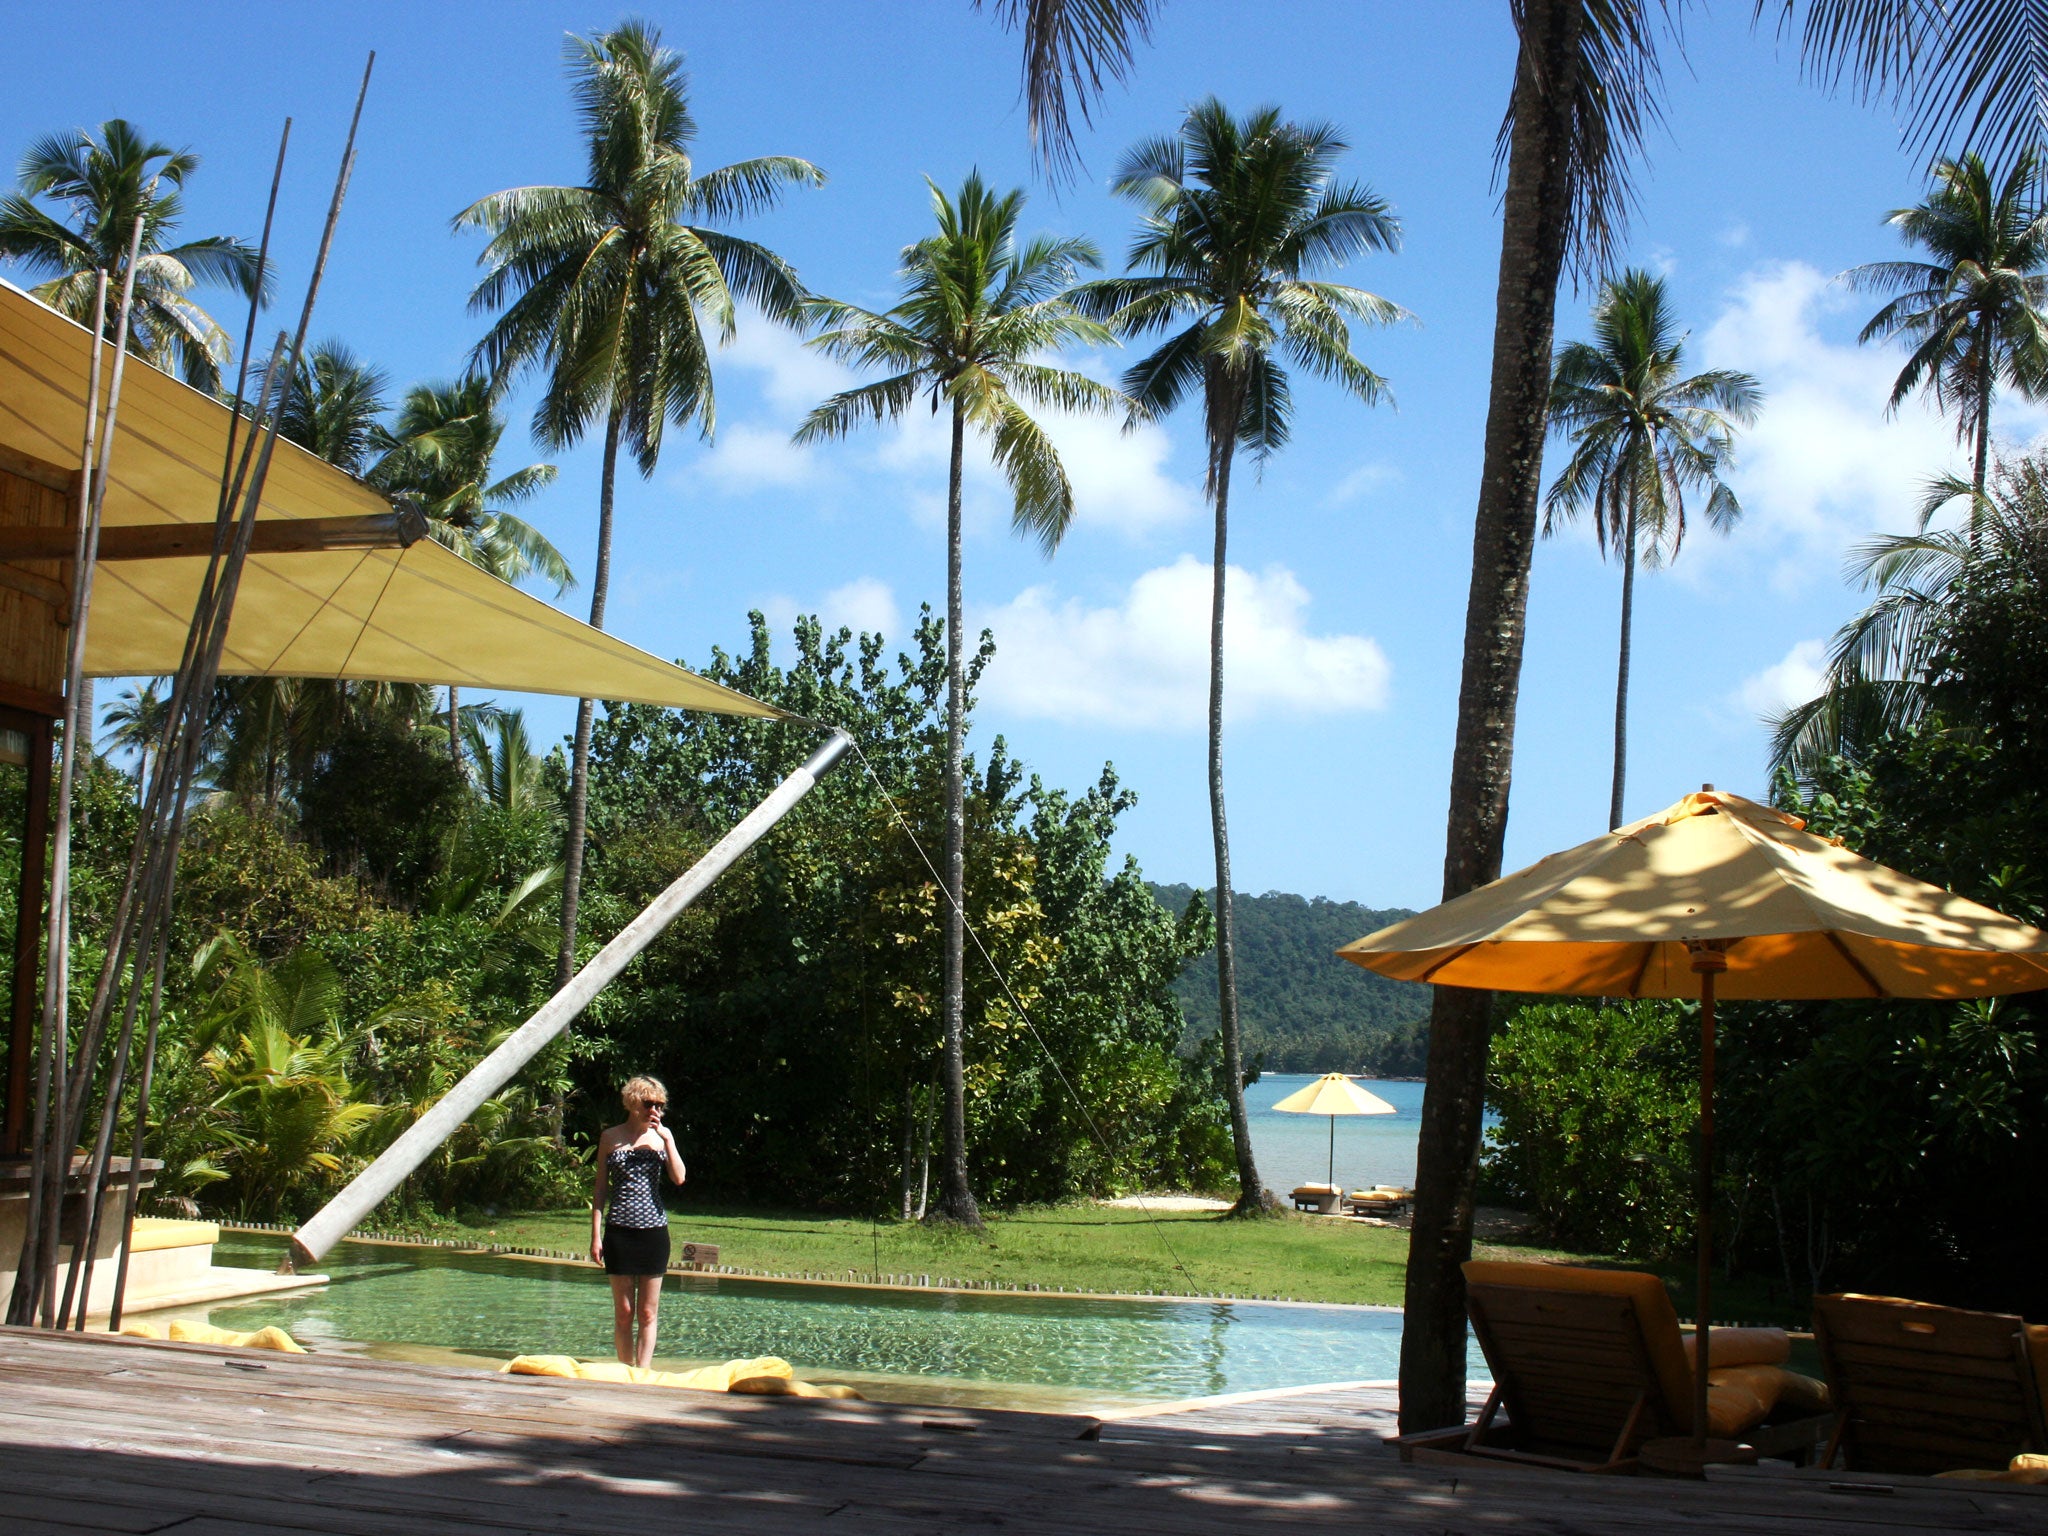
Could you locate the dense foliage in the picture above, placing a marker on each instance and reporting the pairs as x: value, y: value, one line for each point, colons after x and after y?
x: 1304, y: 1009
x: 357, y: 928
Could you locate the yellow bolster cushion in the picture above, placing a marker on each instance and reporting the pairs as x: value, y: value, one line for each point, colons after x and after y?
x: 1742, y: 1346
x: 763, y: 1376
x: 263, y: 1338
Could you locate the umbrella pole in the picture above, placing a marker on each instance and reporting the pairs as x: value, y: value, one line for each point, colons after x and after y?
x: 1331, y: 1177
x: 1707, y: 962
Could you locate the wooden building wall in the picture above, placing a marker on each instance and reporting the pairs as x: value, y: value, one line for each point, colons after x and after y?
x: 33, y: 593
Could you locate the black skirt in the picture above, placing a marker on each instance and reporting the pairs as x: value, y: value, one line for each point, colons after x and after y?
x: 636, y: 1250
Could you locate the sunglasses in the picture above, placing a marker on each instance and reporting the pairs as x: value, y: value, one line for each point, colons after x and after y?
x: 657, y: 1106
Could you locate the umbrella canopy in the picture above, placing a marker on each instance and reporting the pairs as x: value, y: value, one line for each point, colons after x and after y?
x: 1333, y: 1094
x: 1796, y: 916
x: 1717, y: 894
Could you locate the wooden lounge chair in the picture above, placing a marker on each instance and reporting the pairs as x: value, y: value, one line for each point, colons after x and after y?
x: 1923, y: 1389
x: 1588, y: 1364
x: 1378, y: 1201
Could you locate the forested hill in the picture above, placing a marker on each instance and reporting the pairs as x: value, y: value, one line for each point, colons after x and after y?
x: 1303, y: 1009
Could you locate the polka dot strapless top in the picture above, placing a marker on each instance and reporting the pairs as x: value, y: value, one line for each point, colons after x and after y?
x: 633, y: 1175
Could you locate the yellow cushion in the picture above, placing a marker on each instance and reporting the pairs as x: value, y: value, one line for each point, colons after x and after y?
x: 762, y: 1376
x: 155, y: 1232
x: 1742, y: 1346
x: 1653, y: 1311
x: 263, y: 1338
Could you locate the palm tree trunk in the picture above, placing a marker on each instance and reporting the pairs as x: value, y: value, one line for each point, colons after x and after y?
x: 1983, y: 437
x: 1628, y: 606
x: 1251, y: 1189
x: 579, y: 762
x: 455, y: 727
x: 956, y: 1196
x: 1536, y: 217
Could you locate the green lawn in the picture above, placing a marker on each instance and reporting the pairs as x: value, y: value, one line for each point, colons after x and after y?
x: 1081, y: 1246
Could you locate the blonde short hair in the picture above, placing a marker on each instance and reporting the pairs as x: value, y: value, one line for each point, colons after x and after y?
x: 638, y: 1090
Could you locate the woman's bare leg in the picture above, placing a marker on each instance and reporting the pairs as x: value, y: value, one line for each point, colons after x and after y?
x: 647, y: 1312
x: 623, y: 1287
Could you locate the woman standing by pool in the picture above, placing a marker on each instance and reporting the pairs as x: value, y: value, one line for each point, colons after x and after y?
x: 632, y: 1241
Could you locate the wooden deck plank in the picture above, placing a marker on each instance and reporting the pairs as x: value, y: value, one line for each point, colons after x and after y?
x: 121, y: 1433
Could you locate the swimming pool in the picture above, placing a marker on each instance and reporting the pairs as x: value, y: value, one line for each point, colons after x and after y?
x: 908, y: 1345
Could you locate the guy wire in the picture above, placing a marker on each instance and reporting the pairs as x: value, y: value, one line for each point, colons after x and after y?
x: 1003, y: 981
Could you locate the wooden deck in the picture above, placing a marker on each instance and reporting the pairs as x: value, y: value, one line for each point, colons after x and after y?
x: 100, y: 1434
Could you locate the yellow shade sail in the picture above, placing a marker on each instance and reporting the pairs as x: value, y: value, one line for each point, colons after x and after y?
x: 1800, y: 916
x: 420, y: 614
x: 1334, y: 1094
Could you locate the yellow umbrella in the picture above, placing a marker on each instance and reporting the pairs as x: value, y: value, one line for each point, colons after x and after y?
x: 1333, y: 1094
x: 1722, y: 895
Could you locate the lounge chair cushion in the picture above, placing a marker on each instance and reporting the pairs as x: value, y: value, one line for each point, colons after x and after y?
x: 1741, y: 1346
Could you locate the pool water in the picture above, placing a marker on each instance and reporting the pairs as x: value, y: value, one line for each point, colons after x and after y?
x: 908, y: 1345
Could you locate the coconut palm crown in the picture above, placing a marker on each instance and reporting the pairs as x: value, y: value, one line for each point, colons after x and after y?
x: 1972, y: 310
x: 1643, y: 435
x: 105, y: 183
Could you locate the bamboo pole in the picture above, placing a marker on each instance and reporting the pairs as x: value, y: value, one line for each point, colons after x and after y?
x: 367, y: 1189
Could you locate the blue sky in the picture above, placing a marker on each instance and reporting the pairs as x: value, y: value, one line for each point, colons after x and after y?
x: 1354, y: 545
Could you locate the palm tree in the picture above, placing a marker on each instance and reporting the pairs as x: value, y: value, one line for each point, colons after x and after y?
x: 1974, y: 306
x: 1586, y: 83
x: 135, y: 723
x: 439, y: 453
x: 1240, y: 217
x: 106, y: 183
x: 1885, y: 667
x: 1644, y: 435
x: 978, y: 309
x: 608, y: 286
x: 333, y: 405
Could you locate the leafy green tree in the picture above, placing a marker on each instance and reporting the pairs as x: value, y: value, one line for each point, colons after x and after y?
x: 1643, y: 434
x: 1240, y: 218
x: 609, y: 287
x: 105, y: 184
x: 791, y: 1012
x: 979, y: 309
x: 1973, y: 309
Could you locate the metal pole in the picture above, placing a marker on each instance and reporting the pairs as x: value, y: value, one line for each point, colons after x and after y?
x: 1708, y: 963
x: 367, y: 1190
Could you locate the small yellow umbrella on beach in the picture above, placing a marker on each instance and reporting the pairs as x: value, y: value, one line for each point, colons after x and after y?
x: 1715, y: 895
x: 1333, y: 1094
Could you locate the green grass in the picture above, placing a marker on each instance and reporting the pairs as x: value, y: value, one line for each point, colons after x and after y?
x: 1081, y: 1246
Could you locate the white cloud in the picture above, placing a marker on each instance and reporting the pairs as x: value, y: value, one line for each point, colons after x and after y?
x: 1823, y: 467
x: 1735, y: 236
x: 1360, y: 483
x: 865, y: 605
x: 747, y: 457
x: 794, y: 377
x: 1144, y: 661
x: 1793, y: 679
